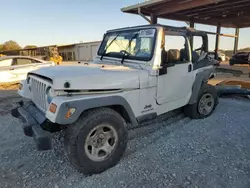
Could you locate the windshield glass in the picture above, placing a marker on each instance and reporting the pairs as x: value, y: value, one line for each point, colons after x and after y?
x: 138, y: 44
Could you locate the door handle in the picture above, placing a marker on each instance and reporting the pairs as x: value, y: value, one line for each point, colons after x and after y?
x: 189, y: 68
x: 12, y: 69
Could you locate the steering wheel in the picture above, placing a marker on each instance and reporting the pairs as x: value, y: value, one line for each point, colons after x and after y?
x: 199, y: 48
x: 125, y: 52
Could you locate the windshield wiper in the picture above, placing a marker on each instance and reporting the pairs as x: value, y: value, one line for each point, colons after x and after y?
x: 126, y: 53
x: 104, y: 52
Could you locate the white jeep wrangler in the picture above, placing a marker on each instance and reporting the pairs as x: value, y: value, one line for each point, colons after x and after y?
x: 138, y: 74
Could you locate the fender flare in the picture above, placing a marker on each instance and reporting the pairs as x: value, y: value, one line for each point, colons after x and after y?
x: 86, y: 104
x: 201, y: 78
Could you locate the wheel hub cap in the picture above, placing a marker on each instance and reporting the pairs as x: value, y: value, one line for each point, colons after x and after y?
x: 101, y: 142
x: 206, y: 104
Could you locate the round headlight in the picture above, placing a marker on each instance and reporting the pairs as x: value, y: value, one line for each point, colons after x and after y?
x: 50, y: 93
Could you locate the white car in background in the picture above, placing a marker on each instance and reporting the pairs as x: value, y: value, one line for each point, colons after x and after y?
x: 221, y: 56
x: 15, y: 68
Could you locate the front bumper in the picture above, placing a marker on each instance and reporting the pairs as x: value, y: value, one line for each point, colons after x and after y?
x: 32, y: 118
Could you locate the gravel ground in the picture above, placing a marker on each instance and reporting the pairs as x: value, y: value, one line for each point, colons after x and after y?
x: 177, y: 152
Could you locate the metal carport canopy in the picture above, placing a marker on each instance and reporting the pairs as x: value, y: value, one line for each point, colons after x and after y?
x: 220, y: 13
x: 226, y: 13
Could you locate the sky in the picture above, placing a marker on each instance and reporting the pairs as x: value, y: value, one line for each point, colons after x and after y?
x: 48, y: 22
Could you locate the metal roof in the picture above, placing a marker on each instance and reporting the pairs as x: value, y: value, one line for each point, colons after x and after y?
x: 75, y: 44
x: 227, y: 13
x: 186, y: 30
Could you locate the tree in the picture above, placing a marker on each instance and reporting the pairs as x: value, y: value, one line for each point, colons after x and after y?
x: 30, y: 46
x: 1, y: 47
x: 10, y: 45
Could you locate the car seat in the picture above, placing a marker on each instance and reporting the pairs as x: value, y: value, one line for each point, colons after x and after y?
x: 174, y: 56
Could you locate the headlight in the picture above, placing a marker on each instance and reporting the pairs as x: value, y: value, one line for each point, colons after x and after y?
x: 50, y: 94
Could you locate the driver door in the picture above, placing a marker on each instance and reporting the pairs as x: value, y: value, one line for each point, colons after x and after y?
x: 176, y: 80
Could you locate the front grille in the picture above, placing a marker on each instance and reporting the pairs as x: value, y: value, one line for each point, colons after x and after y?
x: 38, y: 89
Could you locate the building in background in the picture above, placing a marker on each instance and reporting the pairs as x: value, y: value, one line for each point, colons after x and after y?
x: 71, y: 52
x: 38, y: 52
x: 79, y: 52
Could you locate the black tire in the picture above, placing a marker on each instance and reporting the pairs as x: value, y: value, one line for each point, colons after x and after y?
x: 191, y: 110
x: 76, y: 134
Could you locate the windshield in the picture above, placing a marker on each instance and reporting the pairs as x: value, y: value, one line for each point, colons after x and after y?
x: 138, y: 44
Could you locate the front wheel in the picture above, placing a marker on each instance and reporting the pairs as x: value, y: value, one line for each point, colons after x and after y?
x: 96, y: 141
x: 205, y: 104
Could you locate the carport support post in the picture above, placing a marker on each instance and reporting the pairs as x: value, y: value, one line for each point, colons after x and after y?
x: 217, y: 42
x: 192, y: 38
x: 236, y: 40
x: 153, y: 18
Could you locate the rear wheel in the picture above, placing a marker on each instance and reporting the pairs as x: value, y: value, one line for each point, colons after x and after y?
x: 205, y: 104
x: 97, y: 141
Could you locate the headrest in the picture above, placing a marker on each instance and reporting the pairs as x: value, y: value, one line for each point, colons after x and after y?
x: 173, y: 55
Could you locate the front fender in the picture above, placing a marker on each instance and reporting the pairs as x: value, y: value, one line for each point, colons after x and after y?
x: 83, y: 104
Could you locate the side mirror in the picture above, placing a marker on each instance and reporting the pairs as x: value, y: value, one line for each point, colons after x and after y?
x: 163, y: 69
x: 164, y: 57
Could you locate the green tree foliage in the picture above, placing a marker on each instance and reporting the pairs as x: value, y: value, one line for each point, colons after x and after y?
x: 1, y: 47
x: 10, y: 45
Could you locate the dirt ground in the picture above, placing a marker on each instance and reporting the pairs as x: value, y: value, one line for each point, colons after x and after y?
x: 241, y: 73
x: 167, y: 152
x: 9, y: 86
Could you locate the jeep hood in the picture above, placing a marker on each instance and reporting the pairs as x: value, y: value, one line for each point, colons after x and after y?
x: 95, y: 77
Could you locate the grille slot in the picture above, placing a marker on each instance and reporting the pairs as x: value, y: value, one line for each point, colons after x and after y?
x: 38, y: 89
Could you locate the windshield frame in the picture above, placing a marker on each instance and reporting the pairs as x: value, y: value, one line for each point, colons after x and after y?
x: 116, y: 32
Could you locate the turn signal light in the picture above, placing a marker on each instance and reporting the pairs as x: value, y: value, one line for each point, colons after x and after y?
x: 70, y: 112
x: 52, y: 108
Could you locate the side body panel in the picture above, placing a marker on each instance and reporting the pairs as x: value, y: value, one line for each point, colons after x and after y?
x: 202, y: 76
